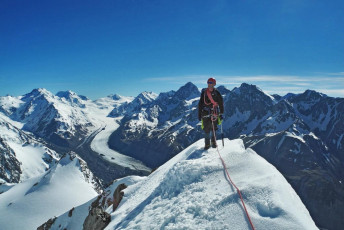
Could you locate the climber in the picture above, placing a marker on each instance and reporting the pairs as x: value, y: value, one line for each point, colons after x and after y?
x: 210, y: 111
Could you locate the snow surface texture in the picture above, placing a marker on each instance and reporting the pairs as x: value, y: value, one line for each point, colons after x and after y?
x: 191, y: 191
x: 29, y: 204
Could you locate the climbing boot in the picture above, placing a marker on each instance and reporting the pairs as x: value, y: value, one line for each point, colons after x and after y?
x: 207, y: 143
x: 213, y: 144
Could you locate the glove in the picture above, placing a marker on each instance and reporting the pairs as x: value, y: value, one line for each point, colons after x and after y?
x: 199, y: 118
x: 221, y: 117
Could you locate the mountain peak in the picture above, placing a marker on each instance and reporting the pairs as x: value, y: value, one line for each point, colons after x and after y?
x: 314, y: 94
x: 40, y: 90
x: 37, y: 93
x: 72, y: 98
x: 190, y: 85
x: 246, y: 86
x: 147, y: 96
x: 289, y: 95
x: 70, y: 95
x: 223, y: 90
x: 310, y: 96
x: 188, y: 91
x: 115, y: 97
x: 250, y: 89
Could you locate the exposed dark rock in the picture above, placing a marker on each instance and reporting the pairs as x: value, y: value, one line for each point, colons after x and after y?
x: 118, y: 195
x: 9, y: 165
x: 70, y: 213
x: 97, y: 218
x: 47, y: 225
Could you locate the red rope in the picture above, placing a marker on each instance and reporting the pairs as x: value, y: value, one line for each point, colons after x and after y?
x: 214, y: 118
x: 224, y: 165
x: 215, y: 112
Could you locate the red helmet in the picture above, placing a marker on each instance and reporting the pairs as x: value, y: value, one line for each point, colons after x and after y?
x: 211, y: 81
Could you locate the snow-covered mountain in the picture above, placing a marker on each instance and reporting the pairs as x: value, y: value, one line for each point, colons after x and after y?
x: 22, y: 155
x: 156, y: 127
x: 293, y: 134
x: 72, y: 98
x: 191, y: 191
x: 70, y: 122
x: 64, y: 119
x: 57, y: 119
x: 29, y: 204
x: 135, y: 105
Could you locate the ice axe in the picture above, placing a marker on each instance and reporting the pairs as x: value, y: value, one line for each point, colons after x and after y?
x: 223, y: 142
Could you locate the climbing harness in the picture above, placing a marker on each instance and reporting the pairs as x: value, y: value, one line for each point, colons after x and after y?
x: 215, y: 105
x: 213, y: 111
x: 227, y: 173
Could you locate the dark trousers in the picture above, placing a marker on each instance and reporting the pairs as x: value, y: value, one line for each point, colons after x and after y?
x: 208, y: 128
x: 207, y: 138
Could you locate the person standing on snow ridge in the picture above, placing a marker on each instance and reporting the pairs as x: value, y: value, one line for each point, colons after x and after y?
x: 210, y: 110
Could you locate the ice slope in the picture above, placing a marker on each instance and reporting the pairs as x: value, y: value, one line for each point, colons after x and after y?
x: 191, y: 191
x: 29, y: 204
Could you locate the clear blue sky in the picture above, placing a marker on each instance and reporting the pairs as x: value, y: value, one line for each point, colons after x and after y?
x: 97, y: 48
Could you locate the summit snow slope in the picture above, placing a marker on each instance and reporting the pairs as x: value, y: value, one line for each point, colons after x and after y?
x: 191, y: 191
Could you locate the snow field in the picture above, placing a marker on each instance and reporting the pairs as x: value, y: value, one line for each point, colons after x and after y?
x: 36, y: 200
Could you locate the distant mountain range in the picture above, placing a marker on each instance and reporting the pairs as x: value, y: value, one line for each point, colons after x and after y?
x: 300, y: 134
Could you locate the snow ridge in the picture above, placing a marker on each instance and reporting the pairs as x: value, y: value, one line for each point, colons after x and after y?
x: 191, y: 191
